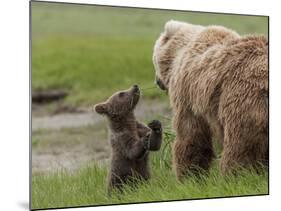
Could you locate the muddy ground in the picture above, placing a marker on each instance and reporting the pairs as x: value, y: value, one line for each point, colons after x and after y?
x: 67, y: 139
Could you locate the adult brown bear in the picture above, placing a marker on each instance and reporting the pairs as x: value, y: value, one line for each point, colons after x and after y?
x: 217, y: 81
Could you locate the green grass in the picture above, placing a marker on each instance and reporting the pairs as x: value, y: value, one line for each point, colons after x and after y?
x: 94, y: 51
x: 87, y: 186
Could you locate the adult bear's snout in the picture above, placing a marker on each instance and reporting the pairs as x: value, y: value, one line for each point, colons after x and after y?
x: 160, y: 84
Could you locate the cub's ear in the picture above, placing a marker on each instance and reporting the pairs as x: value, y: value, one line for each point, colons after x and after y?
x: 171, y: 27
x: 101, y: 108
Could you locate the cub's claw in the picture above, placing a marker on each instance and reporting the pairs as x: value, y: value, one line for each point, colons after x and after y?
x: 155, y: 125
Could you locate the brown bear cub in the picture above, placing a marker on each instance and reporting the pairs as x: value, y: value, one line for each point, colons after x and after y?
x: 130, y: 140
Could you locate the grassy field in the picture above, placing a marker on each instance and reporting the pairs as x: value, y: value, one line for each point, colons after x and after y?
x: 87, y: 186
x: 94, y: 51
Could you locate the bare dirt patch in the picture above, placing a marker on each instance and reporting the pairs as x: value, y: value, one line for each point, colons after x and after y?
x: 70, y: 140
x: 69, y: 148
x: 46, y: 96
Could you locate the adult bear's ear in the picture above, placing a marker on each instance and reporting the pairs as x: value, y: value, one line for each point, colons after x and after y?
x: 101, y: 108
x: 171, y: 27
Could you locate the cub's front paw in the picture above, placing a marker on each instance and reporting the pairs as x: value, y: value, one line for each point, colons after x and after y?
x: 155, y: 125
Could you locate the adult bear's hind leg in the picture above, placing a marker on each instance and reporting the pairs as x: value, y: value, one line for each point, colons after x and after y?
x: 246, y: 147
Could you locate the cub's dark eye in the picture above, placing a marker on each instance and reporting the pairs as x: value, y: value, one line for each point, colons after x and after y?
x: 121, y: 94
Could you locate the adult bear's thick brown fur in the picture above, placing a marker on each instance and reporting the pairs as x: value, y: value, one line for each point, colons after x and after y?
x: 217, y: 81
x: 130, y: 140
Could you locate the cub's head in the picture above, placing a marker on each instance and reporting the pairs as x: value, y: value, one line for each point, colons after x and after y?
x: 120, y: 103
x: 175, y: 36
